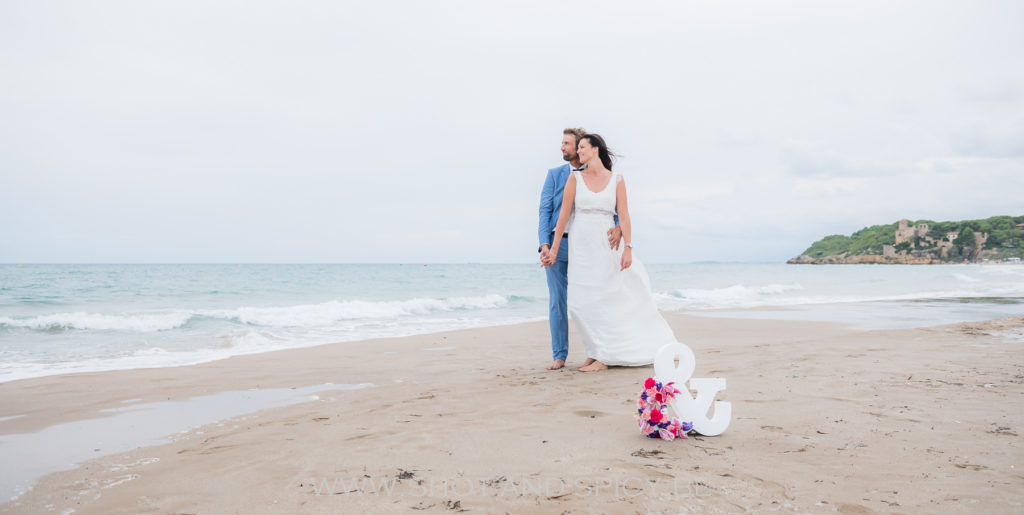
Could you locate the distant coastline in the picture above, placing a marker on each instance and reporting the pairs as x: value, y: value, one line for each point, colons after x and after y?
x: 999, y: 239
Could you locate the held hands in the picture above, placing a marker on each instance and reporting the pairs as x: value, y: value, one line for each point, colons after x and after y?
x: 614, y: 237
x: 627, y: 258
x: 547, y: 258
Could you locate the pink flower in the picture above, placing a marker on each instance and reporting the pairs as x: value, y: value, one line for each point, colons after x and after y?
x: 649, y: 383
x: 656, y: 416
x: 647, y: 429
x: 665, y: 434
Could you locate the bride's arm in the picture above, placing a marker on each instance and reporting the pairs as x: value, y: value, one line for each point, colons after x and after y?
x: 624, y: 224
x: 563, y: 216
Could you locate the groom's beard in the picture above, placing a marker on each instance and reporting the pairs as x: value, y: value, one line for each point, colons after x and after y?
x: 567, y: 157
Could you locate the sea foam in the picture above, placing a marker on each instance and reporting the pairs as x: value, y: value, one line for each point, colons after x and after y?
x: 138, y: 322
x: 314, y: 315
x: 303, y: 315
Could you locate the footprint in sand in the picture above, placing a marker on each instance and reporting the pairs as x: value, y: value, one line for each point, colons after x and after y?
x: 970, y: 466
x: 853, y: 509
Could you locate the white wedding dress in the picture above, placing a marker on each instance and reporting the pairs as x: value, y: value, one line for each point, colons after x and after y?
x: 614, y: 310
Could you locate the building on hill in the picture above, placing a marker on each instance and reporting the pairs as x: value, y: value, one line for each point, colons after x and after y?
x: 906, y: 233
x: 916, y: 237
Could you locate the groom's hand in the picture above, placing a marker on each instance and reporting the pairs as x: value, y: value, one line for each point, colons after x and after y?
x: 544, y: 252
x: 614, y: 237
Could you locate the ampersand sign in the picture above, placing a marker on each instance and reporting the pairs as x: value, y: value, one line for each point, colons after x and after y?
x: 686, y: 407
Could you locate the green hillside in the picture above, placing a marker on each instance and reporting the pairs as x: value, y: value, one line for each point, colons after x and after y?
x: 1002, y: 237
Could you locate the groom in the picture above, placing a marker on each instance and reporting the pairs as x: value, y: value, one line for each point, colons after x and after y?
x: 558, y: 272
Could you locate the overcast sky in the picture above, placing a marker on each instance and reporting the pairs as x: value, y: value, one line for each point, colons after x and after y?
x: 421, y: 131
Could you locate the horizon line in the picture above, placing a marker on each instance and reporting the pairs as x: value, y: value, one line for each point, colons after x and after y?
x: 424, y: 263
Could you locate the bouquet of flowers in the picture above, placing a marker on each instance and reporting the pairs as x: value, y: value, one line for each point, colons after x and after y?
x: 651, y: 408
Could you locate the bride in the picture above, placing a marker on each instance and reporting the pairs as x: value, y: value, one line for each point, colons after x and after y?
x: 609, y: 292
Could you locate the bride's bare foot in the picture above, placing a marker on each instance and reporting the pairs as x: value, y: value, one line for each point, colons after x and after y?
x: 593, y: 367
x: 557, y: 364
x: 587, y: 363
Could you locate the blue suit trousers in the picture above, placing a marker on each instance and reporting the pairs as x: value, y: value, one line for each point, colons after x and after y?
x: 558, y: 316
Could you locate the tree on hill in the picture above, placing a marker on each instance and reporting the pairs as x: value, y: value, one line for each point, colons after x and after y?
x: 966, y: 238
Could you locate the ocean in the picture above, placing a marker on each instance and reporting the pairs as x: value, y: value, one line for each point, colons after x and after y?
x: 57, y: 319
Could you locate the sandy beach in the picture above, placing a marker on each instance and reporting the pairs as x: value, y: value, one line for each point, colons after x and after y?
x: 826, y: 418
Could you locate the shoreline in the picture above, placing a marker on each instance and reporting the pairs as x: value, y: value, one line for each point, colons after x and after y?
x: 739, y: 310
x: 813, y: 403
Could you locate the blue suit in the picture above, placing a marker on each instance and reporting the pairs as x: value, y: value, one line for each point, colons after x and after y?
x: 558, y: 274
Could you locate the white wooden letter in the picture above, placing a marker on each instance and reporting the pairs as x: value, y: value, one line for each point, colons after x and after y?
x: 685, y: 406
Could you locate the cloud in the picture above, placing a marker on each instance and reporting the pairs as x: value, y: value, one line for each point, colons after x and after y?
x: 1002, y: 92
x: 807, y: 162
x: 998, y: 138
x: 805, y: 159
x: 832, y: 186
x: 680, y: 193
x: 950, y: 164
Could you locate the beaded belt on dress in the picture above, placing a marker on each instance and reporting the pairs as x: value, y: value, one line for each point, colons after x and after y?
x: 594, y: 211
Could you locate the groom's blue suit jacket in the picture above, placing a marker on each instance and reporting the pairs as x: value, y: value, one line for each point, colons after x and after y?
x: 551, y: 202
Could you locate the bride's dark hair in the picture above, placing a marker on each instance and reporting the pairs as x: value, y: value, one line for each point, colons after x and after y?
x: 606, y: 155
